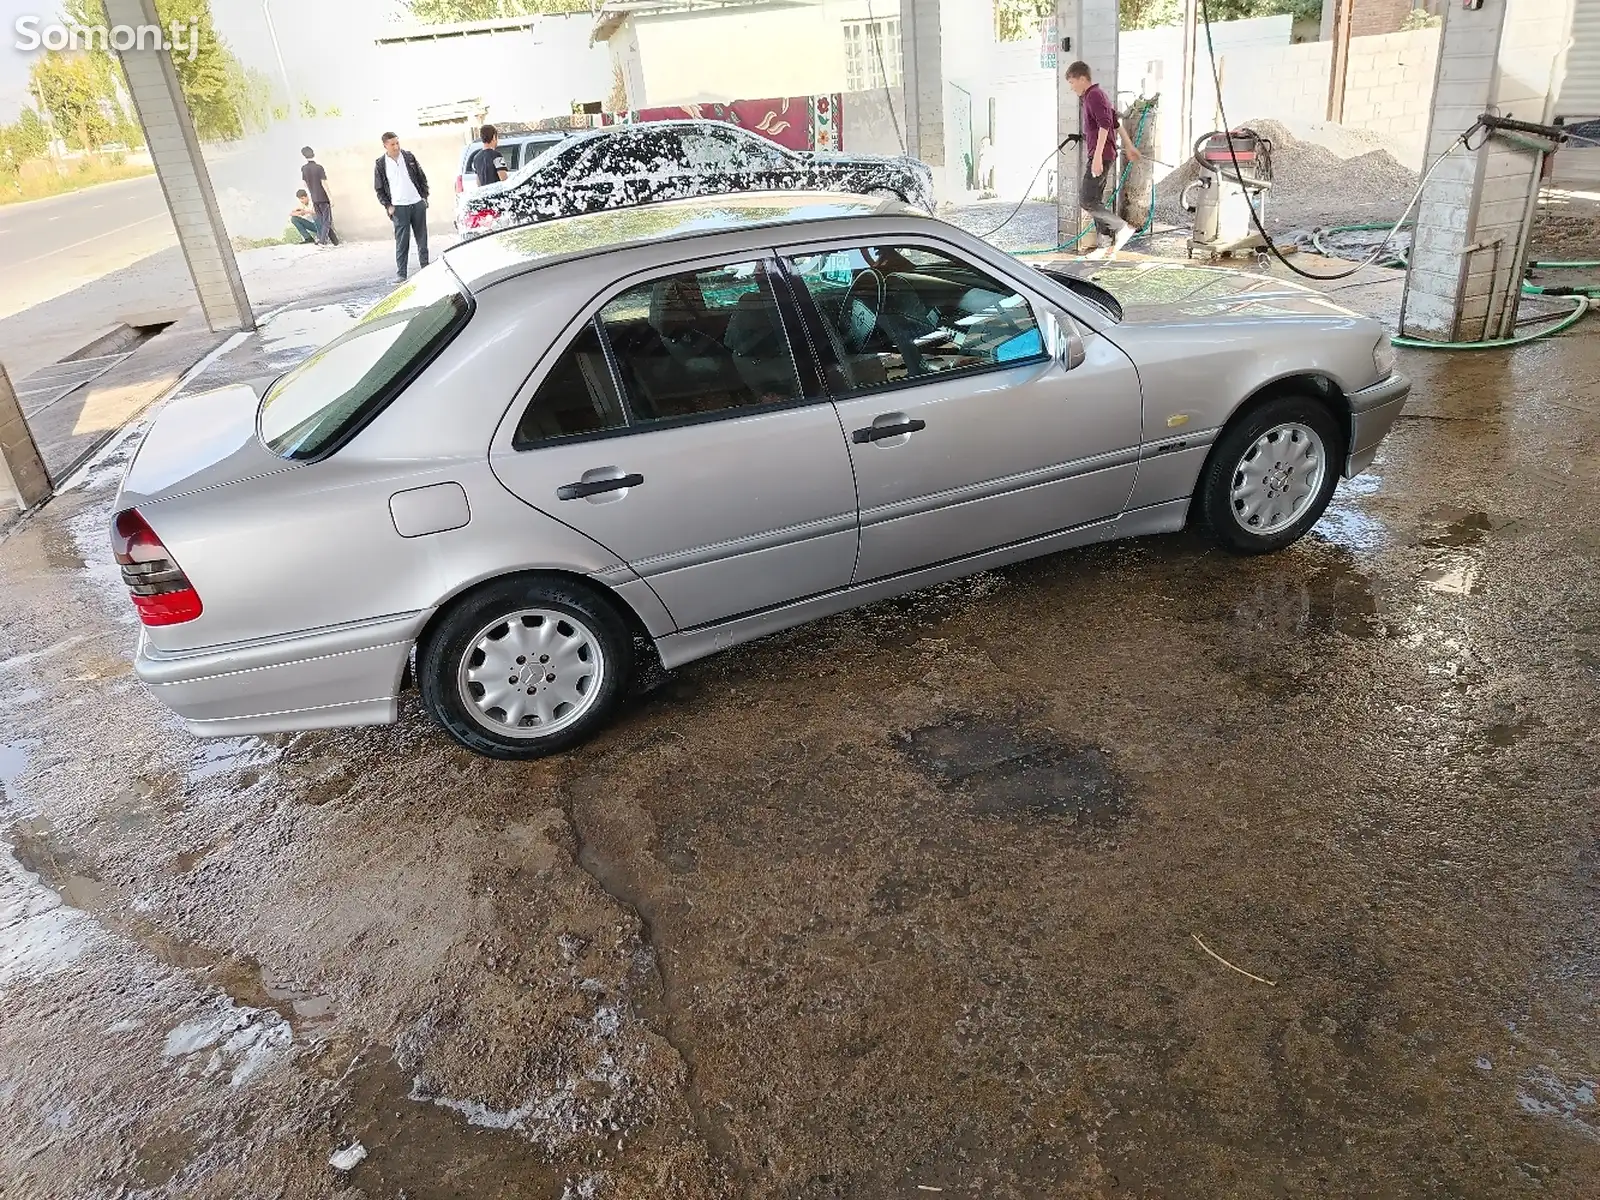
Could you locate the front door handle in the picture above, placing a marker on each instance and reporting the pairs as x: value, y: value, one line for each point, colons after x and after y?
x: 593, y: 487
x: 876, y: 433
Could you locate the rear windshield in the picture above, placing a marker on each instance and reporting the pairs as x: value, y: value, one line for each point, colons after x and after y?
x: 325, y: 401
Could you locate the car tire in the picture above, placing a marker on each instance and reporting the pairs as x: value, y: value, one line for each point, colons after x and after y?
x: 565, y: 654
x: 1271, y: 475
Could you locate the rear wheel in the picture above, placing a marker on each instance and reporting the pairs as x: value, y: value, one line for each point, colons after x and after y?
x: 525, y: 667
x: 1271, y: 476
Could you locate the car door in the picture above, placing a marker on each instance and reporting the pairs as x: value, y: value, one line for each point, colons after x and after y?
x: 673, y: 428
x: 965, y: 433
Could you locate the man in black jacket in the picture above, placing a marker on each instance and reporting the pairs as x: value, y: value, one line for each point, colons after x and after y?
x: 403, y: 191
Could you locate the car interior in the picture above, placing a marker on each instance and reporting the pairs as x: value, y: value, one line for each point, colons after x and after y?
x: 894, y: 314
x: 707, y: 341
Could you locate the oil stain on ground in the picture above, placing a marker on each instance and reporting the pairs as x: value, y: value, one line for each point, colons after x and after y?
x: 1007, y: 770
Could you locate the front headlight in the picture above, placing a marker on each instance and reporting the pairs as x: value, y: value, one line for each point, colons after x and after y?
x: 1383, y: 358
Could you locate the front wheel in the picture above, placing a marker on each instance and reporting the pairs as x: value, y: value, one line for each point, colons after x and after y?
x: 525, y: 667
x: 1271, y: 475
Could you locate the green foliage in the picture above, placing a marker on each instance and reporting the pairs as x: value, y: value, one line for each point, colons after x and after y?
x: 1147, y: 14
x: 76, y: 89
x: 446, y: 12
x: 1420, y: 18
x: 226, y: 100
x: 1018, y: 20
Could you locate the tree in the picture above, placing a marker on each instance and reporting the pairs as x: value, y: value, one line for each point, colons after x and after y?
x: 1018, y: 20
x: 447, y: 12
x: 1147, y: 14
x: 75, y: 88
x: 225, y: 99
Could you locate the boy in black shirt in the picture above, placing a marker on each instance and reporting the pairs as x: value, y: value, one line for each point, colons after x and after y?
x: 316, y: 181
x: 488, y: 164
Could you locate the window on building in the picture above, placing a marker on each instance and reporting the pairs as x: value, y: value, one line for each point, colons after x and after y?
x: 871, y: 54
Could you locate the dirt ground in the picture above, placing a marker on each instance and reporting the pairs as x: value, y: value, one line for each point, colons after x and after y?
x: 927, y: 899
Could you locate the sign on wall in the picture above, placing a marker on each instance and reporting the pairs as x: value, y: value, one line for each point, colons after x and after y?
x: 1048, y: 43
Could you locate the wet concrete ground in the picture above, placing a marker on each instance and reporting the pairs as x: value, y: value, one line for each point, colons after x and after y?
x: 919, y: 900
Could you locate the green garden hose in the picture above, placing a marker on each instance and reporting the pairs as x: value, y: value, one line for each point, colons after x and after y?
x: 1581, y: 305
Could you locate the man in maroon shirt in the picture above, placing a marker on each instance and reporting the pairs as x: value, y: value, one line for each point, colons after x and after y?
x: 1101, y: 131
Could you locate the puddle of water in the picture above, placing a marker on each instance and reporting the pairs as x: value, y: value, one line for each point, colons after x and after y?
x: 1462, y: 527
x: 1572, y: 1101
x: 1009, y: 771
x: 39, y: 935
x: 240, y: 1041
x: 1456, y: 577
x: 297, y: 331
x: 13, y: 762
x: 226, y: 756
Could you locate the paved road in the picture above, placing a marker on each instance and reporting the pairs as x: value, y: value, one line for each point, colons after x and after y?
x: 899, y: 904
x: 49, y: 247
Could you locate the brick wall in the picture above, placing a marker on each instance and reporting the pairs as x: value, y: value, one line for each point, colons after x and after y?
x: 1369, y: 17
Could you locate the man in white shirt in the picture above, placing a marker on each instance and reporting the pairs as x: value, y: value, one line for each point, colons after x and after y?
x: 402, y: 189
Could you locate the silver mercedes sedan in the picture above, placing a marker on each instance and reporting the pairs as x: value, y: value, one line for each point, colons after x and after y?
x: 672, y: 429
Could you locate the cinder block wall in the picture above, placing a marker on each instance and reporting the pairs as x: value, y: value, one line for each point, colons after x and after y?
x: 1388, y: 84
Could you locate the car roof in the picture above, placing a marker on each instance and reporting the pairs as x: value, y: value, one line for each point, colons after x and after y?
x: 486, y: 260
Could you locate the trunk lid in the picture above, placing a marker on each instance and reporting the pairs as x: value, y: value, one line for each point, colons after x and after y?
x: 199, y: 441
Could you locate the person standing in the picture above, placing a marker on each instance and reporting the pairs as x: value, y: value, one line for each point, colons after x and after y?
x: 402, y: 189
x: 1101, y: 132
x: 304, y: 218
x: 316, y: 181
x: 488, y: 164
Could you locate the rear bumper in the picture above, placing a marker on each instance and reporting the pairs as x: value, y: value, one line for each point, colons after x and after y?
x: 320, y: 679
x: 1372, y: 413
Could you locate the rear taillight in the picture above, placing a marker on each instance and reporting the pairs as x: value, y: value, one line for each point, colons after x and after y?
x: 461, y: 184
x: 161, y: 591
x: 478, y: 218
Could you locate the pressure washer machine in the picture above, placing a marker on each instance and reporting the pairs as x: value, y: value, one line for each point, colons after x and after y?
x: 1235, y: 177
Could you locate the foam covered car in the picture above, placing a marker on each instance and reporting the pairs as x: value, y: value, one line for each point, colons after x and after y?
x: 654, y: 433
x: 629, y: 165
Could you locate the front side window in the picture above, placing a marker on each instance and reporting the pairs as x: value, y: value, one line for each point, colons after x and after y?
x: 896, y: 314
x: 701, y: 342
x: 313, y: 409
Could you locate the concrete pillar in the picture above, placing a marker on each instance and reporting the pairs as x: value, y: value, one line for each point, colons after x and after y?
x: 1088, y: 32
x: 922, y: 72
x: 1470, y: 244
x: 175, y: 148
x: 22, y: 474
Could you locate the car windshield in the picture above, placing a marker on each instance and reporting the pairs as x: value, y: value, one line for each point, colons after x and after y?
x: 313, y: 409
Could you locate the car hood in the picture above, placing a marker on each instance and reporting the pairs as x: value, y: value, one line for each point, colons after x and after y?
x: 199, y: 441
x: 1163, y: 293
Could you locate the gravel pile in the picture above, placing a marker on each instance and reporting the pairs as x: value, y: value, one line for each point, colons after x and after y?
x: 1313, y: 184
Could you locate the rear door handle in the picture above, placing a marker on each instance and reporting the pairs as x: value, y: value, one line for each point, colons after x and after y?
x: 876, y: 433
x: 594, y: 487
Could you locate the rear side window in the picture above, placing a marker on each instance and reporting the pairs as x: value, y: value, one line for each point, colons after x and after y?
x: 702, y: 342
x: 315, y: 408
x: 577, y: 397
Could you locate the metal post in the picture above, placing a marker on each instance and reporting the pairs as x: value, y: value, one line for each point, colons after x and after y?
x: 181, y: 168
x: 23, y: 462
x: 272, y: 32
x: 1191, y: 34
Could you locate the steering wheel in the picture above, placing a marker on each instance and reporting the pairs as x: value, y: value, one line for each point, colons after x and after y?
x: 862, y: 305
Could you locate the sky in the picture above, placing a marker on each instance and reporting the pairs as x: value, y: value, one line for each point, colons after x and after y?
x: 337, y: 24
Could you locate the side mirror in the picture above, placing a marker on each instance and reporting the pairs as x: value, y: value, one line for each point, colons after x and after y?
x: 1063, y: 341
